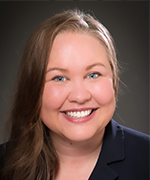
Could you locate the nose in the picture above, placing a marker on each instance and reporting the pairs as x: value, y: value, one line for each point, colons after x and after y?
x: 79, y: 94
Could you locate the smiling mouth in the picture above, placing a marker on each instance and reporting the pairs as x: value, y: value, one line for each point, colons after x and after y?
x: 79, y: 114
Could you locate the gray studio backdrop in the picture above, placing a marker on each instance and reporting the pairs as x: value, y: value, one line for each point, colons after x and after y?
x: 128, y: 24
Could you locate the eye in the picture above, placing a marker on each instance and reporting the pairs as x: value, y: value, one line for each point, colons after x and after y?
x: 59, y: 78
x: 93, y: 75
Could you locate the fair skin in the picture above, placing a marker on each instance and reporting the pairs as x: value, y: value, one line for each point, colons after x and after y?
x: 78, y: 102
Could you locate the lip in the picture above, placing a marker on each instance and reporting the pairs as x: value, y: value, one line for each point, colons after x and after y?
x: 80, y: 120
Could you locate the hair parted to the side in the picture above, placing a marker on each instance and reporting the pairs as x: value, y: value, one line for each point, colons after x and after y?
x: 31, y: 155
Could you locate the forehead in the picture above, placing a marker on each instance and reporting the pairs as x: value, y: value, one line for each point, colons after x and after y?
x: 69, y: 47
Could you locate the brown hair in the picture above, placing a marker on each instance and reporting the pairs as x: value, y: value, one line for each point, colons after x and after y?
x: 31, y: 154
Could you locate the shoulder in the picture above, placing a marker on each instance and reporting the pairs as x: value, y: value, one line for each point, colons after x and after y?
x: 136, y: 147
x: 124, y: 154
x: 131, y: 135
x: 132, y: 138
x: 128, y: 152
x: 130, y: 132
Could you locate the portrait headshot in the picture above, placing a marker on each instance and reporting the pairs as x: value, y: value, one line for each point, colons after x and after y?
x: 74, y: 94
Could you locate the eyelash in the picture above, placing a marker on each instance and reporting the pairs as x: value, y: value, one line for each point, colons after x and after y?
x: 59, y: 78
x: 95, y: 73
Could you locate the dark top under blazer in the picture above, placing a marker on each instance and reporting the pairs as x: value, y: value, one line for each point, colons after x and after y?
x: 124, y: 155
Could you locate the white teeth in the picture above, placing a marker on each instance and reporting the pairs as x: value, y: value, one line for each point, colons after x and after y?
x: 79, y: 114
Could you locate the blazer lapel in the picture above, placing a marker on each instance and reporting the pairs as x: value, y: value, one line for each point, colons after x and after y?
x: 112, y: 151
x: 103, y: 172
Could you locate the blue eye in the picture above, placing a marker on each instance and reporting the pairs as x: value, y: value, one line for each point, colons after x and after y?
x: 93, y: 75
x: 59, y: 78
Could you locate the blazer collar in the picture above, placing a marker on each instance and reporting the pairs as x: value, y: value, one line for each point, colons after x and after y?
x: 112, y: 151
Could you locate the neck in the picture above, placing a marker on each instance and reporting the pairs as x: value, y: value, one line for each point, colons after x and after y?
x: 76, y: 157
x: 73, y: 151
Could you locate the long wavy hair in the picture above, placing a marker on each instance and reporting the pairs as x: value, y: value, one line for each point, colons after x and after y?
x: 30, y: 154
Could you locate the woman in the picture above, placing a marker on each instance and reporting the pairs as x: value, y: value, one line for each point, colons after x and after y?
x: 61, y: 120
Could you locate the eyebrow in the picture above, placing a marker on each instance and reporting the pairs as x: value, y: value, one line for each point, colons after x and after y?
x: 65, y: 70
x: 56, y: 69
x: 95, y: 64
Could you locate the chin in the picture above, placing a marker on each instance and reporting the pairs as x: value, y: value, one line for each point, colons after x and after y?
x: 81, y: 135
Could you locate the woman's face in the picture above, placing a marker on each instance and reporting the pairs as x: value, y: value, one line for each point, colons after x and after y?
x: 78, y: 98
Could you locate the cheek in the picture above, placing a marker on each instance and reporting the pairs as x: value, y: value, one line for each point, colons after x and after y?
x: 103, y: 91
x: 52, y: 97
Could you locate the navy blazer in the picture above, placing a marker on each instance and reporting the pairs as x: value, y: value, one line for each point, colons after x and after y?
x: 124, y: 155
